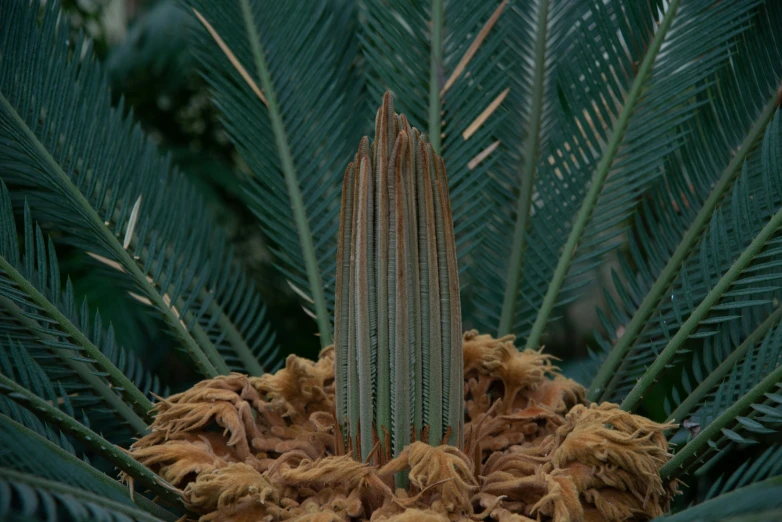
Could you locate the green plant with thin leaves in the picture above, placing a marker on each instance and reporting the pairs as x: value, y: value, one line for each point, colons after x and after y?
x: 630, y: 146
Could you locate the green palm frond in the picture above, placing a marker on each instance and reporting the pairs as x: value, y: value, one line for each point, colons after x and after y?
x: 538, y: 33
x: 90, y: 173
x: 29, y: 452
x: 766, y: 465
x: 759, y: 502
x: 739, y: 103
x: 742, y: 282
x: 618, y: 121
x: 728, y: 281
x: 23, y: 382
x: 30, y: 498
x: 294, y: 136
x: 45, y: 319
x: 745, y: 403
x: 443, y: 62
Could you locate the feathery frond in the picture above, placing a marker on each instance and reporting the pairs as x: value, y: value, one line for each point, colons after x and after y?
x: 89, y: 172
x: 28, y: 452
x: 30, y: 498
x: 292, y: 124
x: 612, y: 136
x: 538, y: 33
x: 738, y: 104
x: 23, y: 382
x: 728, y: 260
x: 442, y: 60
x: 31, y: 298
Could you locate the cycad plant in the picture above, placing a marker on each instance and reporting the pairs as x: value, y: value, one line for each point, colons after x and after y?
x: 525, y: 154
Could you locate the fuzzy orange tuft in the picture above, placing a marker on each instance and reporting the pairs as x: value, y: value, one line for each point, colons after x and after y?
x: 265, y: 448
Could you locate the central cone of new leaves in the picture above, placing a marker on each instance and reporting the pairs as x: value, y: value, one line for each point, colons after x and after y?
x: 398, y: 332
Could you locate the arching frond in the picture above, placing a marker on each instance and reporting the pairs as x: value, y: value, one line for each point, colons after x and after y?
x: 284, y: 80
x: 90, y: 173
x: 537, y: 34
x: 45, y: 319
x: 30, y: 498
x: 737, y: 106
x: 729, y: 282
x: 625, y: 63
x: 26, y: 451
x: 23, y: 382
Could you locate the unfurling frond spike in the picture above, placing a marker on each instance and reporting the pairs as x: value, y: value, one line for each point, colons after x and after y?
x: 397, y: 316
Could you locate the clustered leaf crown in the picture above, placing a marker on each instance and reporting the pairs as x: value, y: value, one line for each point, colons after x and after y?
x: 398, y: 321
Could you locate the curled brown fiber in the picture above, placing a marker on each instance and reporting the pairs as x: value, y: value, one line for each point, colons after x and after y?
x: 265, y: 449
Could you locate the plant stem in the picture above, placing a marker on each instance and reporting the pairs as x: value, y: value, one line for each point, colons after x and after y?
x: 112, y: 453
x: 650, y: 376
x: 294, y: 191
x: 530, y: 154
x: 435, y: 73
x: 603, y: 168
x: 683, y: 250
x: 692, y: 400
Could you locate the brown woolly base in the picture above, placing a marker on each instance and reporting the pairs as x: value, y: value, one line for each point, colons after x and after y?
x: 247, y: 449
